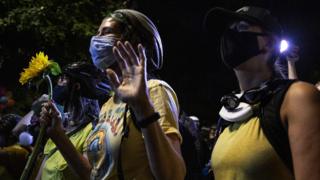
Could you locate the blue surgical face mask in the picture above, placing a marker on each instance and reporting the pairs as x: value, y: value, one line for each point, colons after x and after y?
x: 61, y: 110
x: 101, y: 51
x: 60, y: 94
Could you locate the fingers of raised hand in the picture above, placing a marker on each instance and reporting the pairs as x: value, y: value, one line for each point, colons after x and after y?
x: 142, y: 55
x: 112, y: 76
x: 132, y: 54
x: 121, y: 61
x: 126, y: 53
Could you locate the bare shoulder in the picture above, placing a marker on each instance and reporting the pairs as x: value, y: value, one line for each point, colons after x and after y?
x: 301, y: 97
x: 302, y: 91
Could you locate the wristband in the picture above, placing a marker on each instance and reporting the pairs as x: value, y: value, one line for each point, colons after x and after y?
x: 143, y: 123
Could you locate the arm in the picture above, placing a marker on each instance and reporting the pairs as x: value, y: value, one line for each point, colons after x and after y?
x: 163, y: 150
x: 26, y: 120
x: 292, y: 73
x: 78, y: 163
x: 133, y: 90
x: 301, y: 111
x: 164, y: 153
x: 292, y: 58
x: 23, y: 123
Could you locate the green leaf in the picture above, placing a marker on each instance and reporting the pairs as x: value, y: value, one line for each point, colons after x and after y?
x: 55, y: 69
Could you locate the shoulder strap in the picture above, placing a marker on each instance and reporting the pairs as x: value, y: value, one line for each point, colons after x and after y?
x: 271, y: 124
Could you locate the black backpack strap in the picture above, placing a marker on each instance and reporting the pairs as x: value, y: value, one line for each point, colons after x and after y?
x: 191, y: 149
x: 271, y: 124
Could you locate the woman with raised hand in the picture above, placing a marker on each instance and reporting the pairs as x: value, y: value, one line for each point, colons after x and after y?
x: 137, y: 135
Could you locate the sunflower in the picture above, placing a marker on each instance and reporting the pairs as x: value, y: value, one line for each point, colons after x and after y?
x: 38, y: 64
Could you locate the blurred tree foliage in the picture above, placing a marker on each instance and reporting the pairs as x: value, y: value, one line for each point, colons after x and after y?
x: 60, y: 28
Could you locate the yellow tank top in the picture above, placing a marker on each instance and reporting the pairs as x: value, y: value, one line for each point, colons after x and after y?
x: 56, y: 167
x: 242, y: 152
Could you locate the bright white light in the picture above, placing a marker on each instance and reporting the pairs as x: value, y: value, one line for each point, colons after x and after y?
x: 283, y: 46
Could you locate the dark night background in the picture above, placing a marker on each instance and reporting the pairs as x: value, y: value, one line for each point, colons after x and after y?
x: 192, y: 66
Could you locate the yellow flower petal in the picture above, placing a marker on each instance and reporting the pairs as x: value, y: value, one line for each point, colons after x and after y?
x: 37, y: 65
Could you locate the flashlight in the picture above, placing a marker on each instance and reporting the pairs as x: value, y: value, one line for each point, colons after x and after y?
x: 290, y: 50
x: 284, y: 46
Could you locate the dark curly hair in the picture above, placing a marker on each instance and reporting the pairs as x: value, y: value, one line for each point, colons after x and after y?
x: 7, y: 123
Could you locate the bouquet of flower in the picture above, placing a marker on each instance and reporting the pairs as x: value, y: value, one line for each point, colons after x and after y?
x: 40, y: 67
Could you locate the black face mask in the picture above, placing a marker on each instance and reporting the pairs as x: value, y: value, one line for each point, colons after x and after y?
x: 237, y: 47
x: 60, y: 94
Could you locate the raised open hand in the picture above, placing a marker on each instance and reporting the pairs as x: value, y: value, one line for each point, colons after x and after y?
x: 131, y: 87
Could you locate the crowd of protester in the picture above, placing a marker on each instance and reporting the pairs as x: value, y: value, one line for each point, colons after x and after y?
x: 115, y: 118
